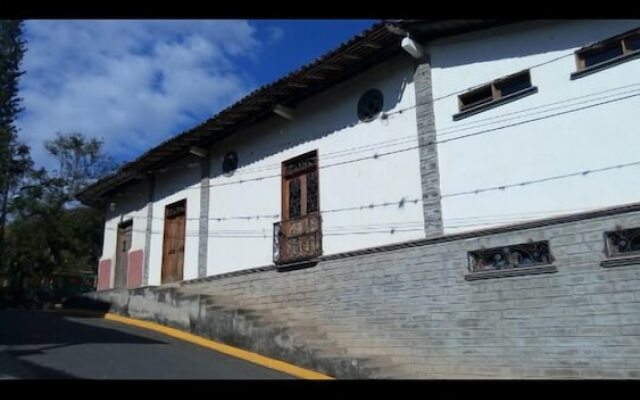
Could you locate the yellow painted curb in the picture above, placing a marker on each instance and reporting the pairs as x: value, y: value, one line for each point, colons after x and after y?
x: 255, y: 358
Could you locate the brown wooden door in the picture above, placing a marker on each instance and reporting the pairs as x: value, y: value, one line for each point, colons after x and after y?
x: 173, y: 249
x: 122, y: 254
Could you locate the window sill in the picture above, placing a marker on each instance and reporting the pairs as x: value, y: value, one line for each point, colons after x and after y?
x: 506, y: 273
x: 606, y: 64
x: 620, y: 261
x: 495, y: 103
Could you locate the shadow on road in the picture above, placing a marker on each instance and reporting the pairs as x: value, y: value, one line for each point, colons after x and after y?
x: 38, y: 327
x: 37, y: 332
x: 11, y: 366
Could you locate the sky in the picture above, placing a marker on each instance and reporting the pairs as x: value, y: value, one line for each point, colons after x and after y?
x: 135, y: 84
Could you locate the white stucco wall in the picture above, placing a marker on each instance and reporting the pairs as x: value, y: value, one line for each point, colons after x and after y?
x: 326, y: 123
x: 180, y: 181
x: 594, y: 138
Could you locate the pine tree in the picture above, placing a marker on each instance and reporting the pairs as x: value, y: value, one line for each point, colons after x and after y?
x: 12, y: 48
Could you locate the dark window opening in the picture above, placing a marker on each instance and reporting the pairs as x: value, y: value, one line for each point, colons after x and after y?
x: 609, y: 51
x: 514, y: 84
x: 476, y: 97
x: 492, y: 93
x: 632, y: 43
x: 601, y: 55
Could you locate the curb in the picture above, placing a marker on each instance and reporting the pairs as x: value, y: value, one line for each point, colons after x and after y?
x: 245, y: 355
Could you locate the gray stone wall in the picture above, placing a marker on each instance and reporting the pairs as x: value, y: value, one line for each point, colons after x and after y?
x: 414, y: 305
x: 429, y: 171
x: 147, y: 240
x: 203, y: 237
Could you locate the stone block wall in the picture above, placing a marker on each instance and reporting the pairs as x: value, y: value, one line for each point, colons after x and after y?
x: 412, y: 303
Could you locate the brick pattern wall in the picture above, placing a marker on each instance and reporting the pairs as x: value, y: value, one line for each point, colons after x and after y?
x: 429, y: 171
x: 414, y: 305
x: 203, y: 228
x: 147, y: 239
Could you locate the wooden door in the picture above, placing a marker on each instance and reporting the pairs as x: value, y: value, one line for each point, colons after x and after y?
x: 123, y: 246
x: 173, y: 249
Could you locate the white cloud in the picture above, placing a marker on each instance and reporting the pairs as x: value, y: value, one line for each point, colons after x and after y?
x: 133, y: 83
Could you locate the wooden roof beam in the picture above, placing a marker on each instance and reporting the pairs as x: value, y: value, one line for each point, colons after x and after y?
x: 372, y: 45
x: 297, y: 85
x: 315, y: 77
x: 330, y: 67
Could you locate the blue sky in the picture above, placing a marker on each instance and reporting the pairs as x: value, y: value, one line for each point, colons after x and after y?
x: 137, y: 83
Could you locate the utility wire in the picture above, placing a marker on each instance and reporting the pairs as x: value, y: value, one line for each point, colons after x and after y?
x: 451, y: 129
x: 384, y: 116
x: 582, y: 173
x: 431, y: 143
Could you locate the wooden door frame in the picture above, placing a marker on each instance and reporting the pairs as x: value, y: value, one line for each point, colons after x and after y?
x: 121, y: 270
x: 164, y: 239
x: 284, y: 179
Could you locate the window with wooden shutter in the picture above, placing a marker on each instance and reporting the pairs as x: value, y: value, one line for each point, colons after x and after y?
x: 298, y: 236
x: 495, y: 93
x: 607, y: 53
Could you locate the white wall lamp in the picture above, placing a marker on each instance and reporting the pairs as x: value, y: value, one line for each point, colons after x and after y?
x: 412, y: 47
x: 284, y: 112
x: 198, y: 151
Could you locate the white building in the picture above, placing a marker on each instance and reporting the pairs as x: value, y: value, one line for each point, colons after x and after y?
x: 370, y: 145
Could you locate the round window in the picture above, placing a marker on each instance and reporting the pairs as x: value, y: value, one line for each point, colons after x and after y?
x: 230, y: 162
x: 370, y: 105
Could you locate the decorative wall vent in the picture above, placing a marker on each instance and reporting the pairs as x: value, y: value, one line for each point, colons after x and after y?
x: 622, y: 247
x: 230, y: 162
x: 515, y: 260
x: 370, y: 105
x: 623, y: 242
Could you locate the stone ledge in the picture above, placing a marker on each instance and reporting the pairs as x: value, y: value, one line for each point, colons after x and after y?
x: 620, y: 261
x: 505, y: 273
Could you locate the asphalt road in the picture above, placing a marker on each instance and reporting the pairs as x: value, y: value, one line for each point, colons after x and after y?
x: 38, y: 344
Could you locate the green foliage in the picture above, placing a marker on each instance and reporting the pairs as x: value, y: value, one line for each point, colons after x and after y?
x: 50, y: 232
x: 80, y: 160
x: 12, y: 48
x: 47, y: 231
x: 15, y: 160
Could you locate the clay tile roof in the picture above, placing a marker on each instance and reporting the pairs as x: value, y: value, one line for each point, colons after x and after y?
x: 370, y: 47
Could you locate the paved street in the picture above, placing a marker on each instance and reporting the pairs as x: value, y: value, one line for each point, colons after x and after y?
x: 37, y: 344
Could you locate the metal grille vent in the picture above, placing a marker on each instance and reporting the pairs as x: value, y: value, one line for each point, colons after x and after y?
x: 230, y: 163
x: 370, y: 105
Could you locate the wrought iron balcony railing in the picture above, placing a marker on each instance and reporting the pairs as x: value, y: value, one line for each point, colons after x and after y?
x: 297, y: 239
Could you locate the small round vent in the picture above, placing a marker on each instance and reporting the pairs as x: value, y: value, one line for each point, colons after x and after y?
x: 370, y: 105
x: 230, y: 162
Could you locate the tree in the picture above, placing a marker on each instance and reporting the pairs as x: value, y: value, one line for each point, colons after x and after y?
x: 80, y: 160
x: 50, y: 231
x: 14, y: 157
